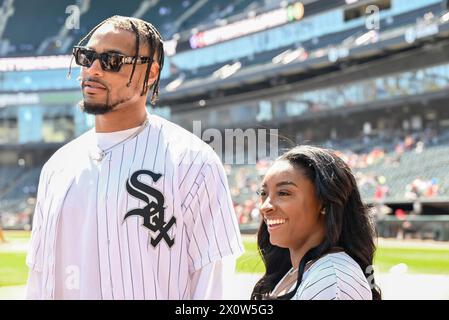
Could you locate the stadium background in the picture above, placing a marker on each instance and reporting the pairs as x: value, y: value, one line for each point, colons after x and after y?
x: 369, y: 79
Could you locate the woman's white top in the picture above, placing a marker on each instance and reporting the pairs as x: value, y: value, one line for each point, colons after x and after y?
x: 335, y: 276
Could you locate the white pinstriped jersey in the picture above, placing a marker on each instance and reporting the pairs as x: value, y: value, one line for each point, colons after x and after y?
x: 149, y: 218
x: 335, y: 276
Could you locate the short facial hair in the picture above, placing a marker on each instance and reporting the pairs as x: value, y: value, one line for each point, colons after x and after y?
x: 100, y: 108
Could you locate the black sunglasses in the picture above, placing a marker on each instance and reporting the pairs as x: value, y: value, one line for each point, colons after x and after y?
x: 109, y: 61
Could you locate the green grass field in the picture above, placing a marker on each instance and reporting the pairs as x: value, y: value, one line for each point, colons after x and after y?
x: 419, y: 259
x: 13, y: 270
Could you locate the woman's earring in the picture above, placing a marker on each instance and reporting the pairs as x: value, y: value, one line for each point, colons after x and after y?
x: 323, y: 211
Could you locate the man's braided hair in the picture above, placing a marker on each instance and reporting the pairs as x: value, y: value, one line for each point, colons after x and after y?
x: 145, y: 32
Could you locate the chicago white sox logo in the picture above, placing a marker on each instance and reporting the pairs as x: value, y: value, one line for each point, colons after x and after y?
x: 153, y: 212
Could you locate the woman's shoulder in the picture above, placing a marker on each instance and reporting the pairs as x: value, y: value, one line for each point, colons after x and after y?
x: 335, y: 276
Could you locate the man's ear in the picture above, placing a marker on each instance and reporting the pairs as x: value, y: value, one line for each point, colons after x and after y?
x: 154, y: 72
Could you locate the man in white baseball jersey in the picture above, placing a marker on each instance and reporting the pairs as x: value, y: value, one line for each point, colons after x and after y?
x: 136, y: 208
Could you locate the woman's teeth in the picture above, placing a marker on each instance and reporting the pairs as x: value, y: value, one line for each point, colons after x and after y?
x: 273, y: 222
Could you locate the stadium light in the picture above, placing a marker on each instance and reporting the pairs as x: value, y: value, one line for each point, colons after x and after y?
x: 290, y: 56
x: 172, y: 86
x: 227, y: 70
x: 278, y: 59
x: 251, y: 14
x: 221, y: 22
x: 444, y: 18
x: 170, y: 47
x: 369, y: 37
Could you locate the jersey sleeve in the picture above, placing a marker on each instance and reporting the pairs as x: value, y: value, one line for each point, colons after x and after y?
x: 34, y: 281
x: 34, y: 285
x: 212, y: 282
x: 36, y: 232
x: 210, y: 219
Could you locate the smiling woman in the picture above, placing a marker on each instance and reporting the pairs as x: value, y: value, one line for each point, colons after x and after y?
x: 297, y: 219
x: 316, y: 238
